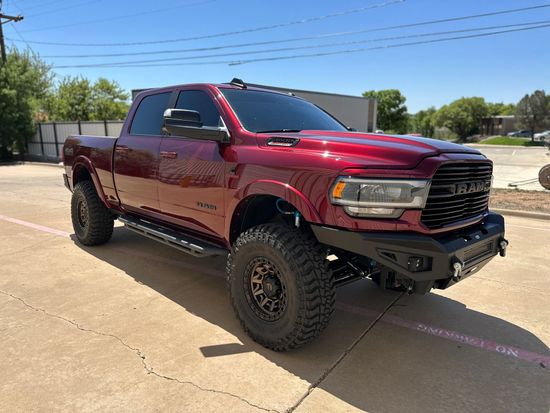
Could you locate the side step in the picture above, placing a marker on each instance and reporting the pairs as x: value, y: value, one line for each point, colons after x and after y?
x: 182, y: 242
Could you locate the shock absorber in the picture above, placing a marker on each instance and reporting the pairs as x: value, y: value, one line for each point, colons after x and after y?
x: 295, y: 213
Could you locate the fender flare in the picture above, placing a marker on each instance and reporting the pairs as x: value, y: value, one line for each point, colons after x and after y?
x: 273, y: 188
x: 83, y: 162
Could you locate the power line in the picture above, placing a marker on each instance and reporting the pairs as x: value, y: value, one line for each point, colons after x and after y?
x: 391, y: 46
x: 317, y: 46
x: 400, y: 26
x: 60, y: 9
x: 21, y: 37
x: 231, y: 33
x: 321, y: 54
x: 240, y: 45
x: 125, y: 16
x: 43, y: 4
x: 7, y: 19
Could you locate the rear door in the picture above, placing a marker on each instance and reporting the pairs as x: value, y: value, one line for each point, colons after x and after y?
x: 191, y: 175
x: 136, y: 159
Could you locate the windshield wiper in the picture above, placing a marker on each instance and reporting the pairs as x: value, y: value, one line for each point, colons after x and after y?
x: 278, y: 130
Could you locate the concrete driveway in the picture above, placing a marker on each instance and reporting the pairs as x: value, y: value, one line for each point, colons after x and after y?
x: 136, y: 326
x: 516, y: 165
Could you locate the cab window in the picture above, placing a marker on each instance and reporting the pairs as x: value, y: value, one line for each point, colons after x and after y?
x: 148, y: 119
x: 199, y: 101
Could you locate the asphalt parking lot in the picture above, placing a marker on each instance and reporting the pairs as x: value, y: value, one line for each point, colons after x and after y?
x: 136, y: 326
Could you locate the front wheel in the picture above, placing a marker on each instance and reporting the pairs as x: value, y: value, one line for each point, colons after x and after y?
x: 280, y: 286
x: 92, y: 221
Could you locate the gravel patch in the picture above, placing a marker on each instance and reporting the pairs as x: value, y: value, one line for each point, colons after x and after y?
x: 535, y: 201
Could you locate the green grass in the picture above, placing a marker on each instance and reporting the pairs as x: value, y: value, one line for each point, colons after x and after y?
x: 511, y: 141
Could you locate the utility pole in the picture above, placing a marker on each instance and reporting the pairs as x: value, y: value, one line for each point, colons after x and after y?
x: 4, y: 18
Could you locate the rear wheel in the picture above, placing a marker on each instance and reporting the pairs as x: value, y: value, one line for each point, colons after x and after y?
x: 280, y: 285
x: 92, y: 221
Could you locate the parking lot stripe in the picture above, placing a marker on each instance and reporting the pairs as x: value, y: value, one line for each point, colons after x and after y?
x: 35, y: 226
x: 488, y: 345
x: 484, y: 344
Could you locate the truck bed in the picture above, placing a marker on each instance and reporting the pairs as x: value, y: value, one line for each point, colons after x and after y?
x: 79, y: 148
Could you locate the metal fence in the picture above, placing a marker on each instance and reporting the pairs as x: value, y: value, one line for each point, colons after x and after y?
x: 47, y: 143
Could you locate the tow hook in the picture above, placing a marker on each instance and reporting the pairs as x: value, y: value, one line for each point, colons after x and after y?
x: 502, y: 247
x: 458, y: 266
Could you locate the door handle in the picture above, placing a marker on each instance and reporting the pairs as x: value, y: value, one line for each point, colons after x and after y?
x: 122, y: 149
x: 168, y: 154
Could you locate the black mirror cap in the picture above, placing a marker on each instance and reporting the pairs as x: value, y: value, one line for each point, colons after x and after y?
x: 351, y: 129
x: 178, y: 128
x: 183, y: 117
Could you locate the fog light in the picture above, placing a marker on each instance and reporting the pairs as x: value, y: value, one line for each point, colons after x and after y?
x: 415, y: 264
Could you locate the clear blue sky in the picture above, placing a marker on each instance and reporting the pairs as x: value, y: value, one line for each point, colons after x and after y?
x: 498, y: 68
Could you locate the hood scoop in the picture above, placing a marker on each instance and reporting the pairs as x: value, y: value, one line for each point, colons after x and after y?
x: 282, y: 141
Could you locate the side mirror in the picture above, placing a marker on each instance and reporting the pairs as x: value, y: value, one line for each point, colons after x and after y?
x: 182, y: 117
x: 351, y: 129
x: 187, y: 124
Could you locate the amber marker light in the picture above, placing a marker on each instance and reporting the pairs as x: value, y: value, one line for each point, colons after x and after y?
x: 338, y: 189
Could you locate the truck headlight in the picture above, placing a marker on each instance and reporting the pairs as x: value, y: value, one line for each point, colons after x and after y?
x: 382, y: 198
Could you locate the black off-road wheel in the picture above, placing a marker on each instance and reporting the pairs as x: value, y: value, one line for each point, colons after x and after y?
x: 92, y: 221
x: 280, y: 286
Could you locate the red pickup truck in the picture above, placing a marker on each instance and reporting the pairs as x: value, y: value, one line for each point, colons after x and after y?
x: 298, y: 202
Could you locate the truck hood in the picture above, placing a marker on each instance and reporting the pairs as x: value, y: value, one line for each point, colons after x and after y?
x: 373, y: 150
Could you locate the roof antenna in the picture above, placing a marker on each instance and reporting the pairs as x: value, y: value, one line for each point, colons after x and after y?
x: 238, y: 82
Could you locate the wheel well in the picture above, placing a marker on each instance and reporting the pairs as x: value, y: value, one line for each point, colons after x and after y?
x: 81, y: 174
x: 259, y: 209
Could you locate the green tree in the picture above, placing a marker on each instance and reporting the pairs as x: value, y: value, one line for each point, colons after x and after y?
x: 392, y: 111
x: 533, y: 111
x: 423, y: 122
x: 463, y: 116
x: 72, y: 100
x: 110, y: 101
x: 501, y: 109
x: 25, y: 81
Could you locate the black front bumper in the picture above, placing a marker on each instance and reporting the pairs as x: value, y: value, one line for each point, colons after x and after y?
x: 447, y: 257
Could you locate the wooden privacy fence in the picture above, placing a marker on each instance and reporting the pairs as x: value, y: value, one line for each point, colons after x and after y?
x: 47, y: 143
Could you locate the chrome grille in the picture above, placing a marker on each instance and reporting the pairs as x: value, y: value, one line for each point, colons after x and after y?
x: 459, y: 191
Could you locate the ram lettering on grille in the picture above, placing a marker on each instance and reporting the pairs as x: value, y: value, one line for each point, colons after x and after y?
x: 459, y: 191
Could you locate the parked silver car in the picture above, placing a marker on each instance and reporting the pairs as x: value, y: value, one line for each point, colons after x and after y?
x: 540, y: 137
x: 520, y: 134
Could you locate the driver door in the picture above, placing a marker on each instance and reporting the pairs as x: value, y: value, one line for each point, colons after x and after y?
x: 191, y: 172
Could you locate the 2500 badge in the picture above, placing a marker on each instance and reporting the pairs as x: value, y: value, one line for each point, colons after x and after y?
x: 206, y: 206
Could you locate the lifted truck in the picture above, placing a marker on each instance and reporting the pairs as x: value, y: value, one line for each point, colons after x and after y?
x: 301, y: 203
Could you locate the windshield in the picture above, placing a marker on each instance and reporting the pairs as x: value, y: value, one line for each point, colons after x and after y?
x: 273, y: 112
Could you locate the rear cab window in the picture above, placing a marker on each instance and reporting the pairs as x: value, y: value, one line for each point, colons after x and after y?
x: 148, y: 118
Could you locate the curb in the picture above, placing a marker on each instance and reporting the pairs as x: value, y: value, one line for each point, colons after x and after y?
x: 524, y: 214
x: 58, y: 165
x: 481, y: 145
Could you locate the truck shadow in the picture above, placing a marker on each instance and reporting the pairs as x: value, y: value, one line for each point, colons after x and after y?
x: 393, y: 368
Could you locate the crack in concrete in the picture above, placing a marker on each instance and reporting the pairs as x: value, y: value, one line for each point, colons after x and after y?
x: 149, y: 369
x: 342, y: 356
